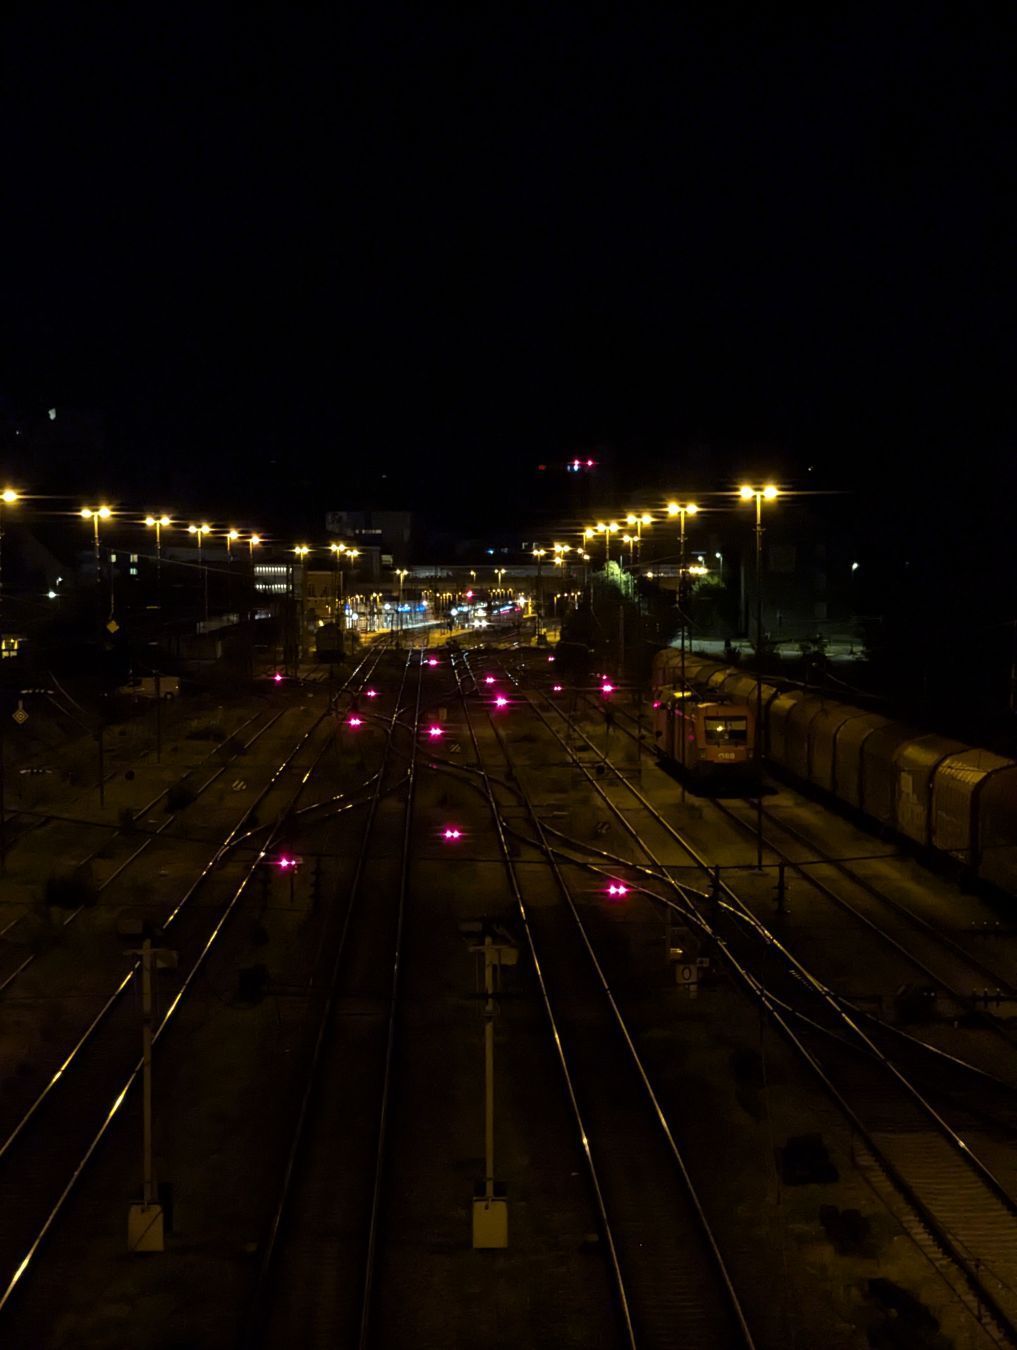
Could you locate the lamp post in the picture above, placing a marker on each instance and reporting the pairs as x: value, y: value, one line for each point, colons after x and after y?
x: 199, y: 531
x: 158, y: 523
x: 7, y: 498
x: 337, y: 551
x: 768, y: 494
x: 607, y: 530
x: 539, y: 553
x: 402, y: 574
x: 499, y: 573
x: 95, y: 514
x: 301, y: 550
x: 677, y: 509
x: 638, y: 520
x: 231, y: 537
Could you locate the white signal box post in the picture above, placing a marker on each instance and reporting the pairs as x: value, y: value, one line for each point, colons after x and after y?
x: 490, y: 1205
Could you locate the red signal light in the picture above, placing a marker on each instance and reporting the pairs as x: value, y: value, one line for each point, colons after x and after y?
x: 432, y: 660
x: 434, y: 732
x: 277, y: 677
x: 371, y: 693
x: 607, y: 687
x: 550, y: 658
x: 354, y: 722
x: 451, y: 834
x: 501, y: 701
x: 489, y: 679
x: 617, y: 890
x: 557, y: 689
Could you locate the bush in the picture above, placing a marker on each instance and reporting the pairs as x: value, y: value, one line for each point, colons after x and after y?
x: 70, y: 890
x: 179, y: 796
x: 207, y: 731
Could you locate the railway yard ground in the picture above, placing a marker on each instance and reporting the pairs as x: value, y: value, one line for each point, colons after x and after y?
x: 724, y: 1114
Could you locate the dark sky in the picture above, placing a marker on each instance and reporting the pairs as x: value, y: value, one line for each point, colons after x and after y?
x: 286, y: 251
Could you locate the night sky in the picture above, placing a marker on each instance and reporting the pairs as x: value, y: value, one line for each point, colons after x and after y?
x: 285, y: 252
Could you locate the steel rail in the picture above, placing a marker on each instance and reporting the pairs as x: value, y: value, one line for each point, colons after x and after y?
x: 255, y: 1322
x: 374, y: 1223
x: 621, y: 1290
x: 802, y: 869
x: 728, y: 1301
x: 221, y: 851
x: 14, y: 1282
x: 969, y: 1269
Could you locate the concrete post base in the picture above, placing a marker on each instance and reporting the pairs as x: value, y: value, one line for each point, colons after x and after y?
x: 145, y: 1229
x: 490, y: 1223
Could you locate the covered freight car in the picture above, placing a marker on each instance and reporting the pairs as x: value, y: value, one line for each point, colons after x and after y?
x: 938, y: 792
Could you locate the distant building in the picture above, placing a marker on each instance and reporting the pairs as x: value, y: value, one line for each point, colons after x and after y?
x: 389, y: 533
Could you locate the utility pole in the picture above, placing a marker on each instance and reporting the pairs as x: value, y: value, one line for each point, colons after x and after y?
x: 3, y: 796
x: 146, y: 1222
x: 490, y: 1209
x: 759, y: 682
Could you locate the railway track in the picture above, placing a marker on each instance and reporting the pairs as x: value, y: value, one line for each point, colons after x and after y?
x: 115, y: 865
x: 671, y: 1282
x: 316, y: 1277
x: 932, y: 955
x: 48, y: 1146
x: 950, y: 1202
x: 21, y: 822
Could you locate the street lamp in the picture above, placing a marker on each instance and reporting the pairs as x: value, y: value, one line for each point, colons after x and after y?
x: 682, y: 511
x: 199, y: 531
x: 95, y: 514
x: 301, y: 550
x: 7, y: 498
x: 158, y: 523
x: 402, y: 573
x: 638, y: 520
x: 607, y: 530
x: 340, y: 551
x: 764, y: 494
x: 539, y: 553
x: 499, y: 573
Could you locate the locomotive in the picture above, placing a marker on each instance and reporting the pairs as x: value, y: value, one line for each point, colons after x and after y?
x: 718, y: 731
